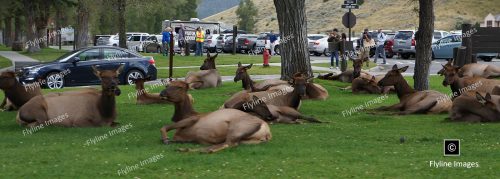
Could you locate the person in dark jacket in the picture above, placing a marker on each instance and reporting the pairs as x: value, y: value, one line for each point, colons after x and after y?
x: 335, y: 39
x: 273, y: 38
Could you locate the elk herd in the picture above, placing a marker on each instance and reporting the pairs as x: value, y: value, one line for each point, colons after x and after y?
x: 244, y: 117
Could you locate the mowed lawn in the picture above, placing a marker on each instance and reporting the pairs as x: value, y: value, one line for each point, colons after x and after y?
x: 362, y: 145
x: 4, y: 62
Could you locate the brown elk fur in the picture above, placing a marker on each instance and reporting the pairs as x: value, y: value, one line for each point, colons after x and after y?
x: 479, y: 70
x: 16, y: 95
x: 221, y: 129
x: 478, y: 108
x: 349, y: 75
x: 411, y: 101
x: 458, y: 84
x: 207, y: 77
x: 251, y: 86
x: 83, y: 108
x: 143, y: 97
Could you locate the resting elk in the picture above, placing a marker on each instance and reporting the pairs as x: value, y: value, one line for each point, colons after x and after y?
x: 143, y: 95
x: 411, y: 101
x: 478, y: 108
x: 221, y: 129
x: 475, y: 70
x: 349, y: 75
x: 249, y: 85
x: 83, y: 108
x: 466, y: 84
x: 207, y: 77
x: 16, y: 95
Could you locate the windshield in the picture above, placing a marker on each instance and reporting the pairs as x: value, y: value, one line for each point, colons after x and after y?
x: 62, y: 58
x: 315, y: 37
x: 405, y: 35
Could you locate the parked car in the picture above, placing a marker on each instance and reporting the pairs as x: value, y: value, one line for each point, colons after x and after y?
x: 136, y: 41
x: 439, y: 34
x: 221, y: 40
x: 153, y: 44
x: 75, y: 68
x: 114, y: 40
x: 314, y: 37
x: 319, y: 47
x: 211, y: 43
x: 228, y: 45
x: 404, y: 43
x: 443, y: 48
x: 262, y: 43
x: 246, y: 42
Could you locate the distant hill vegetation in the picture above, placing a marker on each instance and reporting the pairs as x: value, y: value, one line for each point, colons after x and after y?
x: 323, y: 15
x: 210, y: 7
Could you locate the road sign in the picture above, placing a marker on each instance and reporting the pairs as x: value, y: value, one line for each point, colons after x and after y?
x: 349, y: 6
x: 350, y: 2
x: 349, y: 20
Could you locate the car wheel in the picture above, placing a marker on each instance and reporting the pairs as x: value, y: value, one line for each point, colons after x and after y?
x: 317, y: 54
x: 327, y: 54
x: 389, y: 55
x: 218, y: 50
x: 158, y: 50
x: 433, y: 57
x: 277, y: 49
x: 405, y: 55
x: 114, y: 45
x: 487, y: 59
x: 133, y: 74
x: 54, y: 80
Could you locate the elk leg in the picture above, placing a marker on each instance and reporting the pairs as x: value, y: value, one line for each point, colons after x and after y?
x: 310, y: 119
x: 419, y: 107
x: 3, y: 103
x: 181, y: 124
x: 389, y: 108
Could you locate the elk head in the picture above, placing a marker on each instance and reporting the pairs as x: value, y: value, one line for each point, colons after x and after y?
x: 139, y: 82
x: 109, y: 80
x: 393, y: 77
x: 260, y: 107
x: 357, y: 65
x: 450, y: 74
x: 448, y: 64
x: 486, y: 101
x: 241, y: 72
x: 209, y: 62
x: 7, y: 80
x: 175, y: 91
x: 299, y: 82
x: 371, y: 85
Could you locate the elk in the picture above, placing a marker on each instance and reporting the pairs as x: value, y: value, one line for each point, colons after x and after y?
x: 369, y: 85
x: 221, y: 129
x: 349, y: 75
x: 478, y: 108
x: 289, y: 96
x: 16, y: 95
x: 249, y: 85
x: 459, y: 85
x: 496, y: 90
x: 279, y: 114
x: 83, y: 108
x: 474, y: 70
x: 144, y: 97
x: 207, y: 77
x: 411, y: 101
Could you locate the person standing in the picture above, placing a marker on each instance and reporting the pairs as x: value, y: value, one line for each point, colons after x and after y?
x: 381, y: 37
x: 165, y: 40
x: 272, y: 38
x: 335, y: 39
x: 181, y: 38
x: 368, y: 43
x: 200, y: 39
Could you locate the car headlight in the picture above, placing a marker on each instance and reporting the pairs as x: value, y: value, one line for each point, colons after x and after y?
x: 34, y: 70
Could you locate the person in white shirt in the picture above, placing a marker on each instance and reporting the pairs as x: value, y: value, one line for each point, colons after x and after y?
x: 381, y: 37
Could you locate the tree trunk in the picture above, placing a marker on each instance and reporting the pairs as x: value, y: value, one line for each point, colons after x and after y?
x: 42, y: 18
x: 32, y: 40
x: 121, y: 23
x: 293, y: 44
x: 18, y: 32
x: 423, y: 46
x: 8, y: 31
x: 82, y: 24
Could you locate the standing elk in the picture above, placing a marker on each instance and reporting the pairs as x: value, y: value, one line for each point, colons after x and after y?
x: 207, y: 77
x: 411, y: 101
x: 83, y: 108
x: 460, y: 85
x: 221, y: 129
x: 477, y: 108
x: 16, y: 95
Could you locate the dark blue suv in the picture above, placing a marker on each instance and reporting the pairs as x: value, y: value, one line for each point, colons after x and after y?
x: 75, y: 68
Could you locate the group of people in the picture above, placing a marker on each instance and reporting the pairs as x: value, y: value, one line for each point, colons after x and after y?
x: 366, y: 43
x: 200, y: 39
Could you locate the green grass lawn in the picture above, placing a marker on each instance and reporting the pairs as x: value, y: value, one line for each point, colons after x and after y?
x: 349, y: 65
x: 358, y: 146
x: 162, y: 61
x: 4, y: 62
x: 227, y: 71
x: 4, y: 48
x: 46, y: 55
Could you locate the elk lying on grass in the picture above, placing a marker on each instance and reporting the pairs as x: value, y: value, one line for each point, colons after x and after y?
x: 207, y: 77
x: 251, y: 86
x: 369, y: 85
x: 460, y: 85
x: 349, y: 75
x: 474, y: 70
x: 288, y: 96
x: 83, y: 108
x: 479, y: 108
x: 222, y: 128
x: 411, y: 101
x: 16, y: 95
x: 7, y: 105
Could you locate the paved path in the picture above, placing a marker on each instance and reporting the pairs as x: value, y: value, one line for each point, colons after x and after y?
x: 15, y: 57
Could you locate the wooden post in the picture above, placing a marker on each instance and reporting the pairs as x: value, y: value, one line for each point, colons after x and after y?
x: 474, y: 59
x: 455, y: 50
x: 467, y: 42
x: 171, y: 59
x: 461, y: 55
x: 235, y: 34
x: 343, y: 62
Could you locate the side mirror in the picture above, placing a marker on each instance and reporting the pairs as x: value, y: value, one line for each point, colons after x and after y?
x: 75, y: 60
x: 155, y: 41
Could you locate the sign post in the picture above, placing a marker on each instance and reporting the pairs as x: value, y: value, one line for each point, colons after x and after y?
x: 349, y: 21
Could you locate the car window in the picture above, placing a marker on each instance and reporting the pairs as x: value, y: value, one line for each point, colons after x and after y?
x: 135, y: 38
x: 446, y: 40
x: 437, y: 35
x: 315, y: 37
x: 456, y: 38
x: 92, y: 54
x: 404, y: 35
x: 144, y: 38
x: 110, y: 54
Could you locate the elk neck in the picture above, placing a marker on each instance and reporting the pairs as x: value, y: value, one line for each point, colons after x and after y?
x: 183, y: 109
x: 403, y: 89
x: 18, y: 94
x: 107, y: 105
x: 247, y: 83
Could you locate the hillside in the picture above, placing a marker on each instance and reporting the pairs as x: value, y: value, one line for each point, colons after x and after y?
x: 209, y: 7
x: 395, y: 14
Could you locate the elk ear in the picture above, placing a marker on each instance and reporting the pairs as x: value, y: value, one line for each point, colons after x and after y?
x: 215, y: 56
x: 451, y: 61
x: 255, y: 98
x: 208, y: 54
x: 96, y: 71
x: 119, y: 69
x: 480, y: 98
x: 395, y: 67
x: 308, y: 79
x: 239, y: 64
x: 373, y: 78
x: 401, y: 70
x: 488, y: 97
x: 249, y: 66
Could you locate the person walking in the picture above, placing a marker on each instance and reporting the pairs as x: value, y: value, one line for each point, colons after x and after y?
x: 165, y: 40
x: 335, y: 39
x: 381, y: 38
x: 272, y: 38
x: 181, y: 38
x: 368, y: 43
x: 200, y: 39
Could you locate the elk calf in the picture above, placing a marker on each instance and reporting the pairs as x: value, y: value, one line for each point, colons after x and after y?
x: 479, y: 108
x: 16, y: 95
